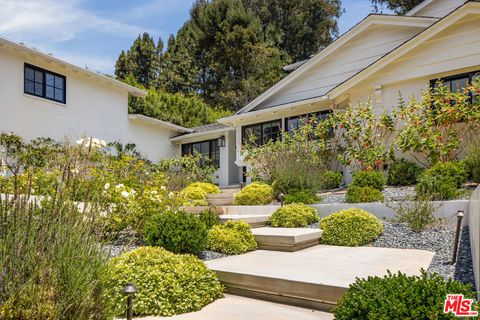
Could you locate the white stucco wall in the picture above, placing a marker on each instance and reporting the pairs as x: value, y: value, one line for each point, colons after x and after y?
x: 474, y: 228
x: 93, y: 108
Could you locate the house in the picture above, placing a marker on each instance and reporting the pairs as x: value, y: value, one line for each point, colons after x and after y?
x: 377, y: 58
x: 43, y: 96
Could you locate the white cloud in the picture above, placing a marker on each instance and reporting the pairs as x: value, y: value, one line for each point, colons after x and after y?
x: 55, y: 21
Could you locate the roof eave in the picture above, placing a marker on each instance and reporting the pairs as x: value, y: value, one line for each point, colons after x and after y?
x: 200, y: 134
x: 157, y: 122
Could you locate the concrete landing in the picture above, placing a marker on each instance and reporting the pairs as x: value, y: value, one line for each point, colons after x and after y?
x: 286, y: 239
x: 240, y: 308
x: 255, y: 221
x: 315, y: 277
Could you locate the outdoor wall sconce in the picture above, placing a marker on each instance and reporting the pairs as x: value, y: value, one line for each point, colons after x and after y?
x: 221, y: 141
x: 129, y: 290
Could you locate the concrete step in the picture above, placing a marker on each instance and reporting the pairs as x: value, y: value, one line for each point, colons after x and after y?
x: 255, y: 221
x: 313, y: 278
x: 286, y: 239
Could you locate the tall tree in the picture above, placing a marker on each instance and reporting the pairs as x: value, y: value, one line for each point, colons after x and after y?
x: 398, y: 6
x: 122, y: 66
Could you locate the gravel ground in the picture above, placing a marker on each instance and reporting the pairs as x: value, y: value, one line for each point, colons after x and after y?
x: 439, y: 239
x: 210, y: 255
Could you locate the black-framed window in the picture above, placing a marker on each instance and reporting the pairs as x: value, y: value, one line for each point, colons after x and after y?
x: 262, y: 132
x: 296, y: 122
x: 209, y: 149
x: 458, y: 82
x: 45, y: 84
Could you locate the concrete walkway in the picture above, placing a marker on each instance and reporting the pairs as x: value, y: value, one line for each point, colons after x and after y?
x: 240, y: 308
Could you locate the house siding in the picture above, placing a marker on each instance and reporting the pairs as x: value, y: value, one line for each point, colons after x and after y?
x: 439, y: 8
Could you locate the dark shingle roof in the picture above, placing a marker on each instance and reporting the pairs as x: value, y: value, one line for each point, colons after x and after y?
x: 209, y: 127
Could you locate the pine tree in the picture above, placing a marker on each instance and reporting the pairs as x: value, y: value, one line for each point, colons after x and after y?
x: 122, y: 66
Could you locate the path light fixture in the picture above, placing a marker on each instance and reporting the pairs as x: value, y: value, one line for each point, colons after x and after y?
x: 281, y: 196
x: 129, y: 290
x: 460, y: 215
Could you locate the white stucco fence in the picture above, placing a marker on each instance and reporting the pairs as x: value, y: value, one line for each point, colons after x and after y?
x: 474, y: 227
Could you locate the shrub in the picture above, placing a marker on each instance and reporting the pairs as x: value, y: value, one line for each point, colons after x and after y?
x: 167, y: 283
x: 453, y: 169
x: 179, y: 232
x: 472, y: 162
x: 369, y: 178
x: 205, y: 186
x: 209, y: 217
x: 418, y: 216
x: 331, y: 180
x: 255, y: 193
x: 295, y: 215
x: 302, y: 196
x: 398, y: 296
x: 403, y: 172
x: 436, y: 188
x: 352, y: 227
x: 194, y: 196
x: 363, y: 194
x: 233, y: 237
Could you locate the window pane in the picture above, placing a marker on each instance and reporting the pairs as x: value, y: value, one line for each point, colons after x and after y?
x: 58, y: 95
x: 293, y: 124
x: 49, y: 92
x: 186, y: 149
x: 29, y: 88
x: 50, y: 79
x: 38, y: 76
x: 59, y: 82
x: 459, y: 84
x: 38, y: 89
x: 29, y: 74
x: 271, y: 131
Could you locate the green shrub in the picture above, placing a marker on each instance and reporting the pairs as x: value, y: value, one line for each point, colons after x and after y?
x: 295, y: 215
x: 167, y: 283
x: 403, y: 172
x: 472, y: 162
x: 233, y: 237
x: 209, y: 217
x: 453, y: 169
x: 363, y: 194
x: 369, y: 178
x: 205, y: 186
x: 178, y: 232
x: 254, y: 194
x: 398, y: 296
x: 302, y: 196
x: 418, y: 216
x: 436, y: 188
x: 352, y: 227
x: 331, y: 180
x: 194, y: 195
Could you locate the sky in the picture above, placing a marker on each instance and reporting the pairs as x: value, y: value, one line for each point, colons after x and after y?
x: 93, y: 32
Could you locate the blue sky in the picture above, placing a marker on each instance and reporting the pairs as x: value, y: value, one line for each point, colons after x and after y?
x: 93, y: 32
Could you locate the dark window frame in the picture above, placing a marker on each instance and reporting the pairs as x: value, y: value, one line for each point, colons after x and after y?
x: 213, y: 151
x: 44, y: 72
x: 261, y: 125
x: 450, y: 79
x: 306, y: 116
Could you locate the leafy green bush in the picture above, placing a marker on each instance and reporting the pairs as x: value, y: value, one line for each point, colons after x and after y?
x: 209, y: 217
x: 178, y: 232
x: 295, y: 215
x: 418, y: 216
x: 195, y: 194
x: 472, y: 162
x: 398, y: 296
x: 363, y: 194
x: 254, y: 194
x: 436, y: 188
x: 453, y: 169
x: 369, y: 178
x: 302, y: 196
x: 352, y: 227
x: 233, y: 237
x: 331, y: 180
x: 403, y: 172
x: 205, y: 186
x: 167, y: 283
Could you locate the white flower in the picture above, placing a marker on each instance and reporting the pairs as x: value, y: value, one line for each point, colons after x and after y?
x: 119, y: 186
x: 163, y: 188
x: 107, y: 186
x: 75, y: 171
x: 125, y: 194
x: 170, y: 195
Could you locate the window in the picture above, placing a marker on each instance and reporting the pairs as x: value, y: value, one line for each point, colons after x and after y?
x: 458, y: 82
x: 43, y: 83
x: 262, y: 132
x: 209, y: 150
x: 296, y: 122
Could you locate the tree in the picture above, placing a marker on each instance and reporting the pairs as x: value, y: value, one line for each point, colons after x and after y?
x: 122, y: 66
x: 398, y: 6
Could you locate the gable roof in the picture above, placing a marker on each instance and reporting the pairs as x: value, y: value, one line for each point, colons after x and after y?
x: 51, y: 59
x: 371, y: 19
x: 156, y: 122
x: 209, y: 129
x: 454, y: 16
x: 419, y: 7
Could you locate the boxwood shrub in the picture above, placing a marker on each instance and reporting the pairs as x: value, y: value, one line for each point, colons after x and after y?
x: 209, y: 217
x: 369, y: 178
x: 233, y: 237
x: 352, y: 227
x: 205, y: 187
x: 331, y: 180
x: 441, y: 181
x: 167, y: 283
x: 254, y: 194
x: 302, y: 196
x: 398, y: 296
x: 195, y: 194
x: 403, y: 172
x: 179, y: 232
x: 295, y: 215
x: 363, y: 194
